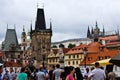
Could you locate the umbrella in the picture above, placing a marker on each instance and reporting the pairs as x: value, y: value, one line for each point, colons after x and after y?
x: 1, y: 64
x: 115, y: 60
x: 104, y: 62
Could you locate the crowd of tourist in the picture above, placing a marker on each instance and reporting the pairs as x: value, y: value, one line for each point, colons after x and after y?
x: 57, y: 73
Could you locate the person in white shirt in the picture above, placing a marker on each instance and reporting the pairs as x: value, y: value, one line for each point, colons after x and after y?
x: 86, y: 74
x: 97, y: 73
x: 57, y: 72
x: 12, y: 74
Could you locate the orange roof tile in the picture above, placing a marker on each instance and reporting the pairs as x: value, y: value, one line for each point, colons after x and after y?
x: 109, y: 38
x: 12, y: 64
x: 92, y: 47
x: 95, y: 56
x: 65, y: 50
x: 112, y: 43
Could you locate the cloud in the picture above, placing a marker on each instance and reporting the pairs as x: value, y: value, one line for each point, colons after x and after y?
x: 68, y: 16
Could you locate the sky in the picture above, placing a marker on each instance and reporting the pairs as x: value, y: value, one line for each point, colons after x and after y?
x: 70, y: 18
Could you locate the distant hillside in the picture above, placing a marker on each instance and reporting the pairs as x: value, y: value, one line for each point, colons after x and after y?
x: 76, y: 41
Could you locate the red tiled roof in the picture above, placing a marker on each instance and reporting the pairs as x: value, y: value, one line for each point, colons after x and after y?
x: 109, y: 38
x: 12, y: 64
x: 65, y: 50
x: 112, y: 43
x: 92, y: 47
x: 95, y: 56
x: 55, y: 51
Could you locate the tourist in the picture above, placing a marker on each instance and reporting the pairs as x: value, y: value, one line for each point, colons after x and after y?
x: 12, y: 74
x: 1, y: 75
x: 51, y: 73
x: 6, y: 76
x: 70, y: 76
x: 22, y: 75
x: 57, y: 72
x: 78, y: 73
x: 41, y: 74
x: 86, y: 74
x: 111, y: 76
x: 97, y: 73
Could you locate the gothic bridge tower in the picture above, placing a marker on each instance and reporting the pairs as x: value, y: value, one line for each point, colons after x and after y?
x: 41, y: 39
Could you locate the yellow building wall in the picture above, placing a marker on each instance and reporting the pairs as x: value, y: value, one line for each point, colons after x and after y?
x: 73, y: 59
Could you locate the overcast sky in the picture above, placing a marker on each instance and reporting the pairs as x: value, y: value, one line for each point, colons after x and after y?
x: 70, y: 18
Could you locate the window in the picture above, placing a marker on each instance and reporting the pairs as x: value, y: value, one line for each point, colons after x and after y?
x: 68, y: 62
x: 77, y: 56
x: 69, y: 56
x: 100, y: 57
x: 73, y: 63
x: 76, y: 62
x: 50, y: 60
x: 89, y: 58
x: 73, y: 56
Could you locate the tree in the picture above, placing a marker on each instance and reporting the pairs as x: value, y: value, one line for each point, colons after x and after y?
x: 54, y: 46
x: 61, y: 46
x: 71, y: 45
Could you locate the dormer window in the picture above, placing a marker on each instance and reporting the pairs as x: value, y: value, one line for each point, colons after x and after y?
x: 89, y: 58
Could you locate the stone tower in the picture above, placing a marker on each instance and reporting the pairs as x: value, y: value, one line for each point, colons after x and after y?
x: 23, y: 40
x: 11, y: 47
x: 41, y: 39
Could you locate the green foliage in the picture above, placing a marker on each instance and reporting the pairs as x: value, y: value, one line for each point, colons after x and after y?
x: 71, y: 45
x: 61, y: 46
x: 54, y: 46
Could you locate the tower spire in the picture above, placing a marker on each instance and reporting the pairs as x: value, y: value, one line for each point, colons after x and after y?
x: 88, y: 33
x: 103, y: 31
x: 23, y: 28
x: 50, y: 24
x: 40, y: 20
x: 118, y: 31
x: 92, y: 32
x: 96, y: 25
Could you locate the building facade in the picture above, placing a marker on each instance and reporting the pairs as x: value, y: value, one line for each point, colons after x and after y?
x: 41, y: 39
x: 11, y: 47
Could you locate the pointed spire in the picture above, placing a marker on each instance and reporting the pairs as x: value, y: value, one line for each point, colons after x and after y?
x: 50, y: 24
x: 96, y: 25
x: 118, y: 30
x: 103, y: 31
x: 37, y: 5
x: 31, y: 27
x: 40, y: 20
x: 92, y: 32
x: 88, y: 33
x: 23, y: 28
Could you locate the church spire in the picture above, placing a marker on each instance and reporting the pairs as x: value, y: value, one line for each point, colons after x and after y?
x: 40, y: 20
x: 96, y: 25
x: 31, y: 27
x: 23, y: 33
x: 103, y: 31
x: 88, y: 33
x: 118, y: 31
x: 50, y: 24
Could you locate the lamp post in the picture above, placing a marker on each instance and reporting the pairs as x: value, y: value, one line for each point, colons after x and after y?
x: 43, y: 61
x: 85, y: 54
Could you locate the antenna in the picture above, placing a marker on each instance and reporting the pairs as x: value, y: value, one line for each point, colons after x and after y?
x: 37, y: 5
x: 14, y: 26
x: 43, y: 5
